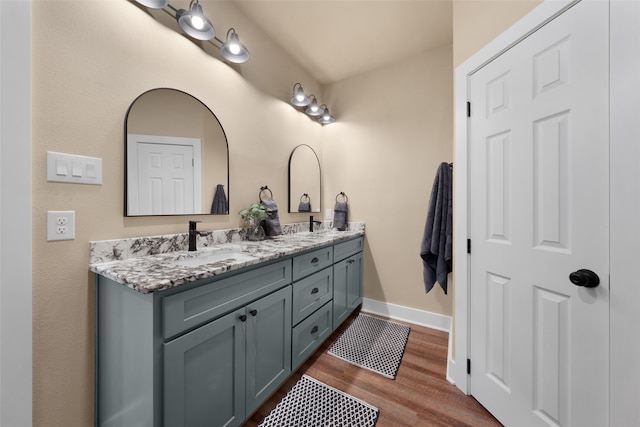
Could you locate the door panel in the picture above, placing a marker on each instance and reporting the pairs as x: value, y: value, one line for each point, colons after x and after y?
x: 538, y: 150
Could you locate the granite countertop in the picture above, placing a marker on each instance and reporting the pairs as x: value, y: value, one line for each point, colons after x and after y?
x: 168, y: 269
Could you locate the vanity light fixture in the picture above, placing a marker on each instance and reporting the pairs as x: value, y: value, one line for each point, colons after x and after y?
x: 194, y: 23
x: 154, y: 4
x: 326, y: 116
x: 299, y: 99
x: 313, y: 109
x: 233, y: 50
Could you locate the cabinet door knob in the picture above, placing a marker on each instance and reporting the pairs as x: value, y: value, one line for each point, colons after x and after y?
x: 314, y: 260
x: 243, y: 317
x: 351, y: 261
x: 253, y: 312
x: 314, y: 329
x: 314, y: 291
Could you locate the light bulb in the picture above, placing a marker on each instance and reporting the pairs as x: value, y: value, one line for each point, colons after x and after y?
x: 300, y: 97
x: 234, y: 48
x: 197, y: 22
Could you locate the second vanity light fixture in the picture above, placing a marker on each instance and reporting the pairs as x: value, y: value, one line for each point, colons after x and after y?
x: 299, y: 99
x: 195, y: 24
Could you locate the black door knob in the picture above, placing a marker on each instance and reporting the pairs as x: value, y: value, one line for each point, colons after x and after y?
x: 585, y: 278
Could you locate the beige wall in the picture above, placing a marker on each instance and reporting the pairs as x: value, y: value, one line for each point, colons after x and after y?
x: 394, y: 128
x: 90, y: 61
x: 477, y: 22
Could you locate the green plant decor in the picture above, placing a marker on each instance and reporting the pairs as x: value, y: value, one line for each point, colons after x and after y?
x: 254, y: 213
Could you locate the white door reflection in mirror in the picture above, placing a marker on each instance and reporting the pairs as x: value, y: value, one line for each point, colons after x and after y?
x: 164, y: 175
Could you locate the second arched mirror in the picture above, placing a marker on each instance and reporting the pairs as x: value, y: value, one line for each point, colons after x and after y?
x: 304, y: 180
x: 177, y: 157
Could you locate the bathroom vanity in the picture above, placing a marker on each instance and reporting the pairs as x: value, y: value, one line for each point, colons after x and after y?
x: 195, y: 339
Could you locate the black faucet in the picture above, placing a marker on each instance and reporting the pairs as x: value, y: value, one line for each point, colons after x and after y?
x: 193, y: 233
x: 311, y: 222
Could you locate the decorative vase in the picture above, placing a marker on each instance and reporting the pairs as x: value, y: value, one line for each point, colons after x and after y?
x: 255, y: 232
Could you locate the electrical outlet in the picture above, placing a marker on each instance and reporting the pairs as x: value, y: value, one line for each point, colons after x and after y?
x: 327, y: 214
x: 61, y: 225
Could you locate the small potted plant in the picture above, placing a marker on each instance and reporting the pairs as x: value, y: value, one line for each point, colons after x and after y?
x: 254, y: 214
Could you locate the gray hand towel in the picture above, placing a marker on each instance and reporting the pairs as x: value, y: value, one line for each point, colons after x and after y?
x: 272, y: 224
x: 304, y: 207
x: 219, y: 205
x: 340, y: 216
x: 436, y: 249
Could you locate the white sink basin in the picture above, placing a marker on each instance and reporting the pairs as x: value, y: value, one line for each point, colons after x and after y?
x: 208, y: 257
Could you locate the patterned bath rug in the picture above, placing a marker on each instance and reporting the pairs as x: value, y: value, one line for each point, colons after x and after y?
x: 311, y: 403
x: 374, y: 344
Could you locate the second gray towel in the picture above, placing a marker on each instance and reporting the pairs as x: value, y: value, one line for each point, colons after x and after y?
x: 340, y: 216
x: 271, y: 225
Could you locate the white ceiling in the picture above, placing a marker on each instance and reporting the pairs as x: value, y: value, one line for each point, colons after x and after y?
x: 336, y: 39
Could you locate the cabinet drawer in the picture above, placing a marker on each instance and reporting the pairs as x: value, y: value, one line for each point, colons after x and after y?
x: 309, y: 263
x: 188, y: 309
x: 310, y: 333
x: 311, y: 293
x: 346, y: 249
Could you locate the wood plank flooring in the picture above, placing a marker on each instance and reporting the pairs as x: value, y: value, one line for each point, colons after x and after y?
x: 419, y: 396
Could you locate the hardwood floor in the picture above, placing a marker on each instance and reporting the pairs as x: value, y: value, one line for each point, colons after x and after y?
x: 419, y: 396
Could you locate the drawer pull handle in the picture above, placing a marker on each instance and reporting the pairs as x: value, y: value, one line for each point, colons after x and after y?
x: 314, y: 291
x: 315, y: 260
x: 351, y: 261
x: 253, y: 312
x: 243, y: 317
x: 314, y: 329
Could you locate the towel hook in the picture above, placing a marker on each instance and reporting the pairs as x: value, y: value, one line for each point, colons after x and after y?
x: 306, y: 197
x: 265, y: 188
x: 344, y: 196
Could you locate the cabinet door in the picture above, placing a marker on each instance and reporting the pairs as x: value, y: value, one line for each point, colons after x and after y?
x: 347, y: 287
x: 204, y: 375
x: 354, y: 281
x: 268, y: 345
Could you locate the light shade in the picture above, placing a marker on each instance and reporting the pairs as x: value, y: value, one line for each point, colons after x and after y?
x: 326, y: 117
x: 313, y: 109
x: 232, y: 50
x: 299, y: 99
x: 154, y: 4
x: 194, y: 23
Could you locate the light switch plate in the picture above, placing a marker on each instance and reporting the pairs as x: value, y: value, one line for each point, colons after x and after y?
x: 61, y: 225
x: 73, y: 169
x: 327, y: 214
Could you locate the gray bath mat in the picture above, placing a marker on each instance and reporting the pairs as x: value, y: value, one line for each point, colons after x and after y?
x: 374, y: 344
x: 311, y: 403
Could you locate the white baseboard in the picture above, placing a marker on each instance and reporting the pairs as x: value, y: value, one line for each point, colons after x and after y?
x: 407, y: 314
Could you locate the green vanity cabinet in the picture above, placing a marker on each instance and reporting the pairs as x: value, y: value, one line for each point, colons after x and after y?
x: 218, y: 374
x: 347, y: 280
x: 209, y: 353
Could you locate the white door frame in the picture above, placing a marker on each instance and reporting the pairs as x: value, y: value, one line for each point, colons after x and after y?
x: 624, y: 200
x: 15, y: 215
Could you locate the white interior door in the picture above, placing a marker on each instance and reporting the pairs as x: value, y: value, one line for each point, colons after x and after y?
x: 539, y: 203
x: 164, y: 175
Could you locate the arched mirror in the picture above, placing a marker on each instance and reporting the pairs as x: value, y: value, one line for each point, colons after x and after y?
x: 304, y: 180
x: 177, y: 157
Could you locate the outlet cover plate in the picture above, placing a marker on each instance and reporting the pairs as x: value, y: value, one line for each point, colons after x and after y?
x: 61, y: 225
